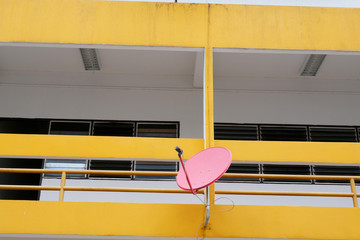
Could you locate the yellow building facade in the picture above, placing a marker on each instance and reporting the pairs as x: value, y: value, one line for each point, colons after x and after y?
x: 207, y: 29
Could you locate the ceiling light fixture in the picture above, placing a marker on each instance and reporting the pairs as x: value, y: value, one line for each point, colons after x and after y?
x: 90, y: 59
x: 312, y: 64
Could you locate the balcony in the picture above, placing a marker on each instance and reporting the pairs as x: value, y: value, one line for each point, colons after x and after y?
x: 60, y: 212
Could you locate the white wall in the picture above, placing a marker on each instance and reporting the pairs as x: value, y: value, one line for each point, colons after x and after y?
x: 104, y: 103
x: 287, y: 108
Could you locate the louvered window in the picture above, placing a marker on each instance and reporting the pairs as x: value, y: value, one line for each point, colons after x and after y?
x: 119, y: 129
x: 24, y: 126
x: 157, y: 167
x: 235, y: 132
x: 336, y: 171
x: 286, y: 170
x: 332, y: 134
x: 163, y: 130
x: 67, y: 128
x: 110, y: 165
x: 243, y: 168
x: 283, y: 133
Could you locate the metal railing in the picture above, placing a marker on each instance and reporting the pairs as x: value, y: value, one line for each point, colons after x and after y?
x: 62, y: 188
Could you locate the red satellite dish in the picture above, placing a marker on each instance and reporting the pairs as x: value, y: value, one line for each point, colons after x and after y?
x: 204, y: 168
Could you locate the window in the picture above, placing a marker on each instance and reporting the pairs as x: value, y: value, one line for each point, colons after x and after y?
x: 67, y: 128
x: 163, y: 130
x: 119, y: 129
x: 267, y: 132
x: 21, y: 126
x: 283, y: 133
x: 337, y: 171
x: 332, y: 134
x: 113, y: 128
x: 243, y: 168
x: 236, y: 132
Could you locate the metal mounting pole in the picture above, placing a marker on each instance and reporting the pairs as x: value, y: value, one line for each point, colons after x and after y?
x: 207, y: 208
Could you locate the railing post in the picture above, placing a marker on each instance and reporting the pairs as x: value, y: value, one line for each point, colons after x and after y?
x: 353, y: 190
x: 62, y: 185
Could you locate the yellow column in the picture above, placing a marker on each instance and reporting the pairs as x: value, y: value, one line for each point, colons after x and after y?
x: 209, y: 108
x: 209, y: 100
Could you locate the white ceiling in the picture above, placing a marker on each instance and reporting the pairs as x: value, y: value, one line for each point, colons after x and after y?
x: 257, y: 65
x: 145, y: 62
x: 260, y: 70
x: 40, y: 59
x: 268, y: 65
x: 340, y: 67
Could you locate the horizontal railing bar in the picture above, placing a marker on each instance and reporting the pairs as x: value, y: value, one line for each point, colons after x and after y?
x: 28, y: 187
x: 142, y: 190
x: 282, y: 193
x: 153, y: 173
x: 102, y: 172
x: 282, y: 176
x: 158, y: 190
x: 96, y: 189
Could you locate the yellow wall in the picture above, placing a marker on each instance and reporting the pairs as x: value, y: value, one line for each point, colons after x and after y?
x: 19, y: 145
x: 188, y: 25
x: 103, y: 22
x: 96, y: 147
x: 130, y: 219
x: 292, y: 152
x: 281, y: 27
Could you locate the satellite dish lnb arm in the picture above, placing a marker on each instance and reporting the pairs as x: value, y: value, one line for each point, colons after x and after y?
x: 180, y: 152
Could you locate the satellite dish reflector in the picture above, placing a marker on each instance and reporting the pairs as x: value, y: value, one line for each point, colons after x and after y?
x: 204, y: 168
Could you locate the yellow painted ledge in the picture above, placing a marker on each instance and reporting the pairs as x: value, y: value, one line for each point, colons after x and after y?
x: 177, y: 220
x: 94, y: 147
x: 179, y: 24
x: 284, y: 27
x: 26, y: 145
x: 103, y: 22
x: 293, y: 152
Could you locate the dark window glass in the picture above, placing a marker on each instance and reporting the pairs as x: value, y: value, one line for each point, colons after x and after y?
x: 243, y: 168
x: 20, y: 178
x: 110, y: 165
x: 114, y: 129
x: 70, y: 128
x: 162, y: 130
x: 24, y: 126
x: 283, y: 133
x: 332, y: 134
x: 286, y: 170
x: 235, y: 132
x: 157, y: 167
x: 336, y: 171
